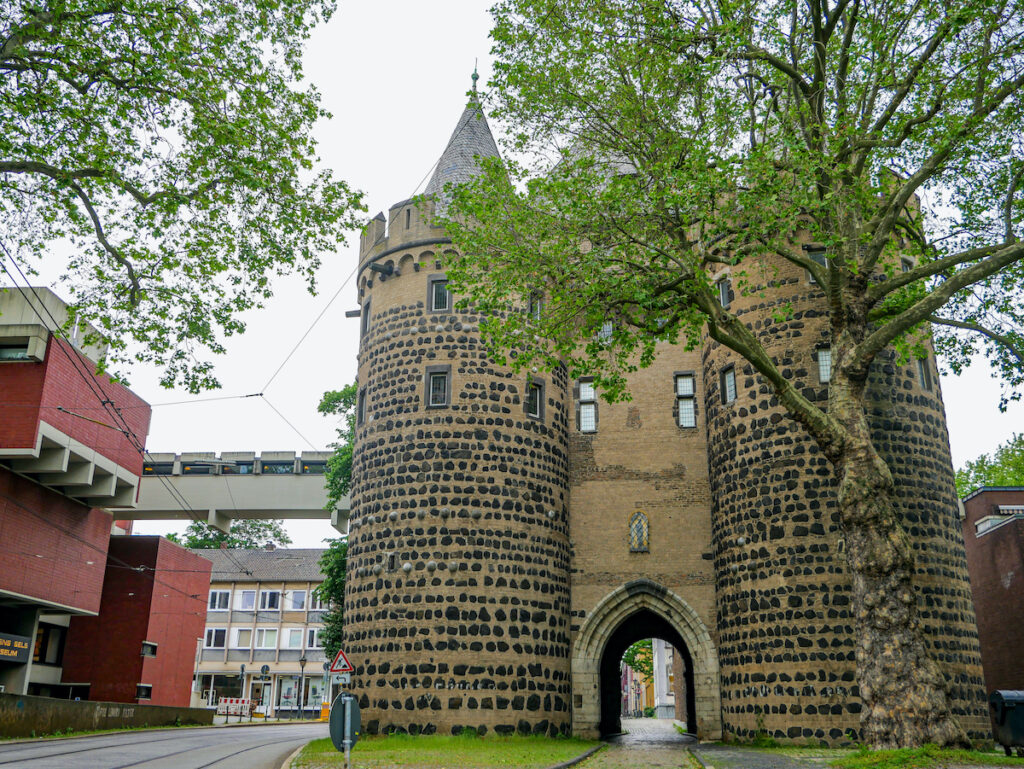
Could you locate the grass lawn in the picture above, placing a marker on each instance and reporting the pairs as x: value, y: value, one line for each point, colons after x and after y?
x: 922, y: 758
x: 440, y: 752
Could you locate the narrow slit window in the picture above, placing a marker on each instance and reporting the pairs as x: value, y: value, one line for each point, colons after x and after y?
x: 364, y: 320
x: 438, y: 389
x: 686, y: 400
x: 535, y: 400
x: 825, y: 365
x: 639, y: 533
x: 536, y: 303
x: 588, y: 407
x: 728, y: 384
x: 361, y: 407
x: 408, y: 217
x: 723, y: 292
x: 924, y: 373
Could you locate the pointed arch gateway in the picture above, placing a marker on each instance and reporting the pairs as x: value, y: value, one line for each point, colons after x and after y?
x: 642, y: 608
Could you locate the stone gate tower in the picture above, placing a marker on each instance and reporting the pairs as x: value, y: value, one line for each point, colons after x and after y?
x: 457, y: 595
x: 510, y: 538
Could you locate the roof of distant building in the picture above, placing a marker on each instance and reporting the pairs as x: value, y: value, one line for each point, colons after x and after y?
x: 283, y: 564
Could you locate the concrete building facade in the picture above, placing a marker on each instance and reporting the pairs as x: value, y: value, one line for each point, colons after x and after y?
x: 261, y: 640
x: 512, y: 536
x: 994, y: 536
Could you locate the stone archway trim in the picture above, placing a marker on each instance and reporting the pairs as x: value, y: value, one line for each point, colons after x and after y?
x: 602, y: 623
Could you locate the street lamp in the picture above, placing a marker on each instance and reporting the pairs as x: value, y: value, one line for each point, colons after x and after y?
x: 302, y: 685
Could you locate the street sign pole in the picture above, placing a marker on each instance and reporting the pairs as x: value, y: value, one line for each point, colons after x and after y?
x: 348, y: 732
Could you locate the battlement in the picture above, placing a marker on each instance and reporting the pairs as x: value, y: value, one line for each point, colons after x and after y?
x: 408, y: 223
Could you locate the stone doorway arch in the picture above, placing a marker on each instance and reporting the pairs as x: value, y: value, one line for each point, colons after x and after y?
x: 648, y: 602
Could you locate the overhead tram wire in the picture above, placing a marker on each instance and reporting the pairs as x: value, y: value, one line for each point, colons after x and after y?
x: 102, y: 396
x: 380, y: 237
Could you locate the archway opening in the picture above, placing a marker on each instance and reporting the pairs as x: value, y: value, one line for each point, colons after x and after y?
x: 638, y: 626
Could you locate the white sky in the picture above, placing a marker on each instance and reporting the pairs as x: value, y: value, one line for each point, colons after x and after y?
x: 394, y: 75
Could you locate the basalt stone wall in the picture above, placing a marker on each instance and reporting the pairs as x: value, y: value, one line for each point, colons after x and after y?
x: 457, y: 599
x: 787, y: 635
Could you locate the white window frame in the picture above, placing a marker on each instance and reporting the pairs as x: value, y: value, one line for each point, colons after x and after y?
x: 236, y: 633
x: 440, y: 375
x: 924, y: 375
x: 688, y: 396
x: 263, y: 600
x: 728, y: 377
x: 316, y: 603
x: 313, y: 638
x: 289, y: 600
x: 723, y: 285
x: 288, y: 634
x: 223, y: 597
x: 818, y: 256
x: 537, y: 412
x: 824, y: 365
x: 588, y: 402
x: 260, y: 641
x: 210, y: 639
x: 240, y: 600
x: 434, y: 295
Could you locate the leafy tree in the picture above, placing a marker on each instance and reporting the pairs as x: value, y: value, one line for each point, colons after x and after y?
x: 332, y: 589
x: 1004, y: 468
x: 656, y: 143
x: 244, y: 534
x: 338, y: 474
x: 640, y: 657
x: 170, y: 145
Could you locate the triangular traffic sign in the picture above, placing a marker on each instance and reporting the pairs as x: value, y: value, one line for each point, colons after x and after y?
x: 341, y: 664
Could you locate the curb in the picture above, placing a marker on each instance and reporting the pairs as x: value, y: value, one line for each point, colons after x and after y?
x: 581, y: 757
x: 287, y: 763
x: 700, y: 759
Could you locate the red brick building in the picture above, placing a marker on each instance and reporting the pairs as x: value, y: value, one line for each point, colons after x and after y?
x: 141, y: 647
x: 994, y: 539
x: 69, y: 448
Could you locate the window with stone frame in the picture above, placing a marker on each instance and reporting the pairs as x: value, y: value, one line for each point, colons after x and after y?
x: 438, y: 297
x: 818, y: 256
x: 728, y: 384
x: 824, y: 364
x: 361, y: 407
x: 686, y: 400
x: 364, y: 320
x: 924, y: 374
x: 438, y: 386
x: 535, y: 400
x: 724, y: 289
x: 588, y: 406
x: 639, y: 533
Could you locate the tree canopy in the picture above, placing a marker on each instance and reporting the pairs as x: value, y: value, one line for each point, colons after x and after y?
x: 656, y: 145
x: 338, y: 474
x: 167, y: 148
x: 243, y: 534
x: 332, y: 590
x: 640, y: 657
x: 1004, y: 468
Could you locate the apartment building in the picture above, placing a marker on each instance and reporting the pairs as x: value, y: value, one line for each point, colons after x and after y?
x: 262, y: 636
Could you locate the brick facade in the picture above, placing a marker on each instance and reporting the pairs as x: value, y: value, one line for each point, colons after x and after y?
x: 154, y: 591
x: 994, y: 535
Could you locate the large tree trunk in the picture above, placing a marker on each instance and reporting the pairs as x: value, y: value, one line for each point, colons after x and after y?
x: 905, y: 696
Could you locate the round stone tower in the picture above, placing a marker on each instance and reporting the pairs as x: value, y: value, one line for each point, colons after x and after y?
x: 787, y: 636
x: 457, y: 593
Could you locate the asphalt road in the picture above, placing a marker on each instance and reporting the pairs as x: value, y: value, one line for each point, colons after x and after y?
x: 245, y: 747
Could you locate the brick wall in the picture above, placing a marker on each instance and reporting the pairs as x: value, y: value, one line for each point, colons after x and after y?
x: 996, y: 562
x: 155, y: 605
x: 51, y: 547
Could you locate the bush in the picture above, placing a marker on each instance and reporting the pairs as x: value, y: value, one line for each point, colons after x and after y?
x: 648, y: 712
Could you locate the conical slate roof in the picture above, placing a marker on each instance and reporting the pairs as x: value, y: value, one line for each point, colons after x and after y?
x: 470, y: 139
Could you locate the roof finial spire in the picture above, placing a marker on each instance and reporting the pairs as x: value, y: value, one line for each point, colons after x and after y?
x: 475, y: 76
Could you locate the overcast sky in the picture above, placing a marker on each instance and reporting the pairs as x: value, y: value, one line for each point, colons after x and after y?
x: 394, y: 74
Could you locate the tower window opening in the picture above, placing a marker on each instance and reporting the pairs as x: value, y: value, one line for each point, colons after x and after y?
x: 408, y: 217
x: 924, y: 373
x: 686, y: 400
x: 536, y: 303
x: 588, y: 407
x: 906, y: 264
x: 728, y: 384
x: 535, y: 400
x: 438, y: 298
x: 361, y: 407
x: 723, y: 292
x: 818, y: 256
x: 364, y: 320
x: 390, y: 561
x: 639, y: 533
x: 825, y: 365
x: 604, y: 335
x: 438, y: 386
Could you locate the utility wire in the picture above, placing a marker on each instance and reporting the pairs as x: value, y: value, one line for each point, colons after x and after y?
x: 92, y: 382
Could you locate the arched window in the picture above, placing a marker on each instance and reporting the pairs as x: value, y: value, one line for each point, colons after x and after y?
x: 639, y: 533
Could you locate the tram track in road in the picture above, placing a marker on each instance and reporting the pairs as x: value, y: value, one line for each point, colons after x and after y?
x: 186, y: 750
x: 43, y: 745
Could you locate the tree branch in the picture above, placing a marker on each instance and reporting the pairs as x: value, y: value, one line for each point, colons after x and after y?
x: 1001, y: 339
